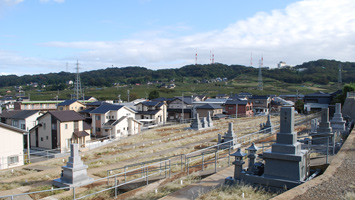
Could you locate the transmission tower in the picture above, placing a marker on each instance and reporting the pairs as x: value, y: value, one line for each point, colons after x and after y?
x: 78, y: 92
x: 339, y: 75
x: 260, y: 77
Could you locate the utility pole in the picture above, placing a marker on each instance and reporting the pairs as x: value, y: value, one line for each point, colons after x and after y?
x: 128, y: 95
x: 182, y: 108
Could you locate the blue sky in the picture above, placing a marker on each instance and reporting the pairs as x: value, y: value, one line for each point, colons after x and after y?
x: 41, y: 36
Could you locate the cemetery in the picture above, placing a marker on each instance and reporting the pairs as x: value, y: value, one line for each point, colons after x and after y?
x: 277, y: 157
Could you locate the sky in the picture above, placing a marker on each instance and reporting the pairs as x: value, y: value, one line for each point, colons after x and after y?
x: 44, y: 36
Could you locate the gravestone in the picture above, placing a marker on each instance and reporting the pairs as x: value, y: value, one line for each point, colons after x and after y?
x: 229, y: 137
x: 337, y: 122
x: 324, y: 131
x: 74, y: 173
x: 268, y: 127
x: 209, y: 120
x: 196, y: 123
x: 286, y: 160
x: 204, y: 122
x: 314, y: 125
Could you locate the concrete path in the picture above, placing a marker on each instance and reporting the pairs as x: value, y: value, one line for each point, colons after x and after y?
x: 194, y: 190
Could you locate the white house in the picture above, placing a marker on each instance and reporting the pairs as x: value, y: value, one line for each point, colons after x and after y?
x: 11, y: 146
x: 114, y: 121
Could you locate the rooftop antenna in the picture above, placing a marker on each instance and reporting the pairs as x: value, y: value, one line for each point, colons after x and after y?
x: 339, y: 75
x: 260, y: 77
x: 77, y: 85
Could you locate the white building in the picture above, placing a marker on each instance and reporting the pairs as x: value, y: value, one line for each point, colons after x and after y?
x: 11, y: 146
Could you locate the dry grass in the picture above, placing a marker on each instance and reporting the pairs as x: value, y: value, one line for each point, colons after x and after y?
x: 349, y: 196
x: 236, y: 192
x: 169, y: 188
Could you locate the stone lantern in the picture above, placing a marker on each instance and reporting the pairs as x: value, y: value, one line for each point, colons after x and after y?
x: 238, y: 163
x: 252, y: 156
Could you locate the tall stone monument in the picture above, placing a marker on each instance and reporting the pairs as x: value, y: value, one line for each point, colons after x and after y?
x: 229, y: 138
x: 324, y: 131
x: 268, y: 127
x: 209, y: 119
x: 286, y: 160
x: 74, y: 173
x: 337, y: 122
x: 196, y: 123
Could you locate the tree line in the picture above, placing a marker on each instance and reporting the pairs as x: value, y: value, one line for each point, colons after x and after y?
x: 320, y: 71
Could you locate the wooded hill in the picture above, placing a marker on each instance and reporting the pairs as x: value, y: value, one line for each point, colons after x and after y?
x: 320, y: 71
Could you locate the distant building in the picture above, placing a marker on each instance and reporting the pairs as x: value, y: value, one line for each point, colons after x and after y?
x: 245, y: 107
x: 71, y: 105
x: 151, y: 112
x: 261, y: 104
x: 282, y: 64
x: 36, y: 105
x: 214, y: 110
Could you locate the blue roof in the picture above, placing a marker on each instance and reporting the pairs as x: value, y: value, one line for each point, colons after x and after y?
x: 105, y: 108
x: 67, y: 102
x: 209, y: 106
x: 236, y: 101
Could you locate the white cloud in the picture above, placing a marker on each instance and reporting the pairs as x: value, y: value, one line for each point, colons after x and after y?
x: 10, y: 2
x: 303, y: 31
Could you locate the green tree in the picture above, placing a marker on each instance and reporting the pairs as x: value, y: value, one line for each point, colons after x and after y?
x: 154, y: 94
x: 299, y: 106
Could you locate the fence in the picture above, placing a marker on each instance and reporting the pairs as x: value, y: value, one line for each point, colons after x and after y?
x: 138, y: 174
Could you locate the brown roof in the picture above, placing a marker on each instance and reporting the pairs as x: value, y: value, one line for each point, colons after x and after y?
x: 81, y: 133
x: 66, y: 115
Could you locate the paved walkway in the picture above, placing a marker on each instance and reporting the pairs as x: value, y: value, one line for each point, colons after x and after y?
x: 194, y: 190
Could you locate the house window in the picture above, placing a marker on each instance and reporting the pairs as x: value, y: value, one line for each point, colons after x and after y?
x: 44, y: 126
x: 47, y: 137
x: 76, y: 125
x: 15, y: 123
x: 12, y: 160
x: 25, y: 107
x: 23, y: 126
x: 98, y: 129
x: 230, y: 107
x: 42, y: 139
x: 66, y: 126
x: 97, y: 117
x: 107, y: 117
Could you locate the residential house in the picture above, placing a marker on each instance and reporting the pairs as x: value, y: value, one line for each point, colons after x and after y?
x: 23, y: 119
x: 181, y: 107
x: 261, y: 104
x: 151, y: 112
x: 11, y: 146
x: 88, y: 99
x: 292, y: 97
x: 242, y: 107
x: 114, y: 121
x: 59, y: 129
x: 317, y: 101
x: 36, y: 105
x: 215, y: 110
x: 71, y: 105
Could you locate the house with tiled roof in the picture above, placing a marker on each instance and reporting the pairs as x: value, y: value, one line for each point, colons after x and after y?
x: 180, y: 107
x: 71, y: 105
x: 114, y: 121
x: 215, y: 110
x: 261, y: 104
x: 23, y: 119
x: 59, y: 129
x: 151, y: 112
x: 242, y: 107
x: 11, y: 146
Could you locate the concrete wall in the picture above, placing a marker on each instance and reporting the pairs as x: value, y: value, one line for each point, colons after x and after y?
x: 348, y: 107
